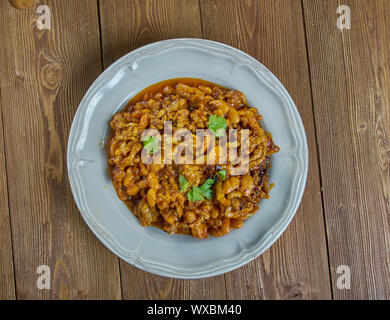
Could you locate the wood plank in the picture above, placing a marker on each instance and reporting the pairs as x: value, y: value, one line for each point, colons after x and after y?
x: 296, y: 266
x: 7, y: 282
x: 45, y: 73
x: 351, y: 89
x: 127, y: 25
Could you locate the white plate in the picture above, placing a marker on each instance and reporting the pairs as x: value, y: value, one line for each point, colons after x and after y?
x: 151, y: 249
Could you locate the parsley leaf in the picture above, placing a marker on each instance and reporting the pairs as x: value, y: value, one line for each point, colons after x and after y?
x: 183, y: 183
x: 195, y: 195
x: 150, y: 144
x: 217, y: 125
x: 205, y: 188
x: 202, y: 192
x: 222, y: 174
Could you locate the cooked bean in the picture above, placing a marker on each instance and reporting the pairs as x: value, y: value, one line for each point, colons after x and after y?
x: 168, y: 90
x: 233, y: 116
x: 234, y: 194
x: 231, y: 184
x: 153, y: 180
x: 132, y: 190
x: 247, y: 184
x: 144, y: 122
x: 151, y: 198
x: 219, y: 191
x: 130, y: 177
x: 189, y: 217
x: 222, y: 105
x: 146, y: 216
x: 200, y: 231
x: 205, y: 89
x: 170, y: 218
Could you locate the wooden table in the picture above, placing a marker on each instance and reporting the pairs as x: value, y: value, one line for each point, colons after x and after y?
x: 338, y: 79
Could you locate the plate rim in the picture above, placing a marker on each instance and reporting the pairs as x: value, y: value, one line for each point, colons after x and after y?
x: 247, y: 254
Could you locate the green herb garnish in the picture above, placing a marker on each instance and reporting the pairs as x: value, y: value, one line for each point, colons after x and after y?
x: 195, y: 195
x: 222, y: 174
x: 217, y: 125
x: 183, y: 183
x: 150, y: 144
x: 205, y: 188
x: 202, y: 192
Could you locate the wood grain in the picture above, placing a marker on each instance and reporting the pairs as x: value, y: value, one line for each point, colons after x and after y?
x: 351, y: 90
x: 296, y: 266
x: 7, y: 283
x: 44, y: 75
x: 127, y: 25
x: 342, y: 76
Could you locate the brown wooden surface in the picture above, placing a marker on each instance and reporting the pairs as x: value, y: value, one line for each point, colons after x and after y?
x: 44, y: 75
x: 338, y: 80
x: 7, y: 284
x: 351, y: 92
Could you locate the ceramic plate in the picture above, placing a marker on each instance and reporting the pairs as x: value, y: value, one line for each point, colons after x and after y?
x: 151, y: 249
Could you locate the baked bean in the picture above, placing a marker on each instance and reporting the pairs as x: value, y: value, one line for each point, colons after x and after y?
x: 233, y: 116
x: 118, y: 174
x: 143, y: 169
x: 158, y: 95
x: 229, y: 212
x: 156, y: 167
x: 189, y: 217
x: 220, y: 195
x: 200, y: 231
x: 142, y: 184
x: 214, y: 213
x: 151, y: 198
x: 133, y: 156
x: 130, y: 177
x: 144, y: 122
x: 170, y: 218
x: 205, y: 89
x: 132, y: 190
x: 247, y: 184
x: 145, y: 218
x: 153, y: 181
x: 231, y: 184
x: 151, y: 102
x: 219, y: 104
x: 234, y: 194
x: 168, y: 90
